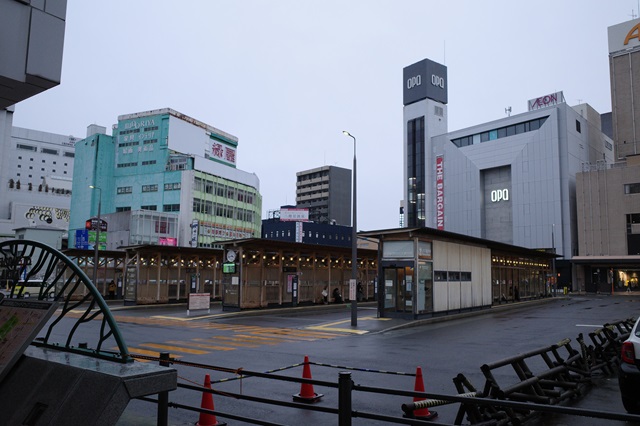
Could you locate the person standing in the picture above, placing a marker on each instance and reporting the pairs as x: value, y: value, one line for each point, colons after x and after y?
x: 112, y: 290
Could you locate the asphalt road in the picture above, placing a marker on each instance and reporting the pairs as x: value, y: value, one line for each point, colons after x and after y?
x: 441, y: 348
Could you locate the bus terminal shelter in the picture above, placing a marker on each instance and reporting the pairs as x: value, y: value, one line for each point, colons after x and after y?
x: 427, y: 272
x: 245, y: 274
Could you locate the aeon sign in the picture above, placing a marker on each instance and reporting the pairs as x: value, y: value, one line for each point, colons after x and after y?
x: 499, y: 195
x: 545, y: 101
x: 414, y: 81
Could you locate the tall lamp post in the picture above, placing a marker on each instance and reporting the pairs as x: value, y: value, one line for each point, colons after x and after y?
x: 354, y: 241
x: 97, y: 243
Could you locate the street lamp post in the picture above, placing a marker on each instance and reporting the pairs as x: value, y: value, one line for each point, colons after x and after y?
x: 354, y: 241
x: 97, y: 243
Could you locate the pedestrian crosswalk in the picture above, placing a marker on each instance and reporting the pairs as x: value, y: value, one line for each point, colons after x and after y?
x: 225, y: 337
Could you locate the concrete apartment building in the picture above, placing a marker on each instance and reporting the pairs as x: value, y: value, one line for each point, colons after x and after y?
x: 326, y: 192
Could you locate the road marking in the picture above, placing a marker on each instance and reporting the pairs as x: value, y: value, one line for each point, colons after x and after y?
x: 330, y: 326
x: 174, y: 348
x: 140, y: 351
x: 236, y: 342
x: 202, y: 345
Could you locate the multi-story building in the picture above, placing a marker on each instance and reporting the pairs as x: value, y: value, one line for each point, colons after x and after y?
x: 608, y: 195
x: 36, y: 169
x: 511, y: 180
x: 32, y: 35
x: 176, y: 175
x: 326, y: 192
x: 624, y: 69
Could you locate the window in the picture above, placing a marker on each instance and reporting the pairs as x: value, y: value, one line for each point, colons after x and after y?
x: 176, y: 186
x: 454, y: 276
x: 502, y: 132
x: 123, y: 209
x: 69, y: 154
x: 578, y: 126
x: 439, y: 275
x: 148, y: 163
x: 150, y: 188
x: 50, y: 151
x: 148, y: 141
x: 632, y: 188
x: 171, y: 208
x: 150, y: 207
x: 465, y: 276
x: 124, y: 190
x: 26, y: 147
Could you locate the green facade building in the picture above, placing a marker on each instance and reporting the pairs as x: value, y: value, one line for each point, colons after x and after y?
x: 163, y: 178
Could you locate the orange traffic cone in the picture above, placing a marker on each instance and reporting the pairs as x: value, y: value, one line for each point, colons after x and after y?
x: 306, y: 389
x: 207, y: 419
x: 421, y: 413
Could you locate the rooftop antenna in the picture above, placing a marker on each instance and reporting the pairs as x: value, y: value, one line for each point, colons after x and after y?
x: 444, y: 52
x: 633, y: 15
x: 507, y: 111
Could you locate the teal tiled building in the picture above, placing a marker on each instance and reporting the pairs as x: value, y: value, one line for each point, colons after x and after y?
x: 163, y: 178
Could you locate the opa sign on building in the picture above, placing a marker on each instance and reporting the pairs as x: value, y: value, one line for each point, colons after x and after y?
x: 424, y: 79
x: 498, y: 195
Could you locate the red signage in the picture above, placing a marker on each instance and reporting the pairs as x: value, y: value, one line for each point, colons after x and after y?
x: 440, y: 192
x: 545, y: 101
x: 92, y: 224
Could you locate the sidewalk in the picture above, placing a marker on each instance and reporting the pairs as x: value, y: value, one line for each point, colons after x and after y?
x: 334, y: 317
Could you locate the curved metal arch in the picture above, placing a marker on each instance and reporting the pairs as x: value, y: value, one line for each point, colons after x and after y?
x: 63, y: 281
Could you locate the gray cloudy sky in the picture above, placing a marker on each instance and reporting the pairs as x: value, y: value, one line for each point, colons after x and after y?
x: 286, y: 77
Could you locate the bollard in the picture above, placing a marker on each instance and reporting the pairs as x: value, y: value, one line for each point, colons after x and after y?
x: 163, y: 397
x: 345, y: 386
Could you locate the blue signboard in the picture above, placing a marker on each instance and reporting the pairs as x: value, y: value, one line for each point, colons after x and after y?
x: 82, y: 239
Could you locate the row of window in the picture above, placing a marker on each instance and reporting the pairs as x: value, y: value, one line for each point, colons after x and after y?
x: 134, y: 143
x: 44, y: 150
x: 221, y: 210
x: 502, y: 132
x: 165, y: 208
x: 222, y: 190
x: 149, y: 188
x: 148, y: 162
x: 121, y: 165
x: 126, y: 132
x: 41, y: 169
x: 451, y: 276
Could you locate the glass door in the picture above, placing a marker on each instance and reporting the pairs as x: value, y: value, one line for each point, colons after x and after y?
x: 398, y: 285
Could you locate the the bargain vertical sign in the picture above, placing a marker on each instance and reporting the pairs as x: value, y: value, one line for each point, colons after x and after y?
x: 440, y: 192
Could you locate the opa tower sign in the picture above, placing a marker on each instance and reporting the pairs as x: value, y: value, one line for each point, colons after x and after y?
x: 424, y: 79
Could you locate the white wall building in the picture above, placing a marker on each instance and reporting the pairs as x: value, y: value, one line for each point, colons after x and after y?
x: 36, y: 170
x: 512, y: 180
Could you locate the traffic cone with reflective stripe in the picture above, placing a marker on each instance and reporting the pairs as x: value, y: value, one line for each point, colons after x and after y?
x: 421, y: 413
x: 306, y: 389
x: 207, y: 419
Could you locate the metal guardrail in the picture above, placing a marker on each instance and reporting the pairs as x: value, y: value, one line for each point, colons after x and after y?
x: 64, y: 282
x: 566, y: 374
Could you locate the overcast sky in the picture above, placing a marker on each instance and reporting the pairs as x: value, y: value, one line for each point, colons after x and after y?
x: 286, y: 77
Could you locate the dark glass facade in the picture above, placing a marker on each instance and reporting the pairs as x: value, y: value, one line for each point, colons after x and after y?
x: 415, y: 213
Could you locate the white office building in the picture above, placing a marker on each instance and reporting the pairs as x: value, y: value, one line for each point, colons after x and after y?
x: 512, y: 180
x: 36, y: 170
